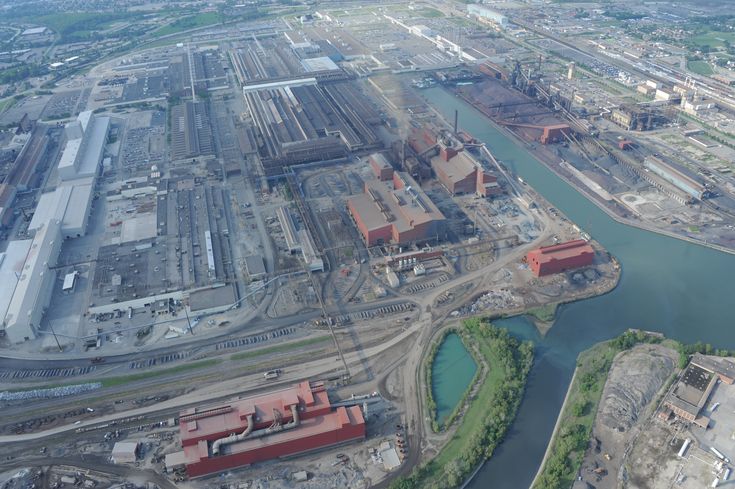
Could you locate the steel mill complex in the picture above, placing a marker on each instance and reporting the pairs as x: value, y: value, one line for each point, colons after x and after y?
x: 284, y: 422
x: 548, y: 260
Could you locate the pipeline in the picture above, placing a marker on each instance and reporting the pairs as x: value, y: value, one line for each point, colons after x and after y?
x: 249, y: 433
x: 233, y: 437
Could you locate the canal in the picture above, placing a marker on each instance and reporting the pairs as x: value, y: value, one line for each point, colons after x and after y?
x: 451, y: 373
x: 680, y: 289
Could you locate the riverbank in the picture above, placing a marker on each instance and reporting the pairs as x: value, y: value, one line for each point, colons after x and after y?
x: 570, y: 437
x: 543, y: 157
x: 489, y: 413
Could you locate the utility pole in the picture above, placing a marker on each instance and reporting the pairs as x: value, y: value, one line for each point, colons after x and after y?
x: 186, y: 311
x: 55, y: 337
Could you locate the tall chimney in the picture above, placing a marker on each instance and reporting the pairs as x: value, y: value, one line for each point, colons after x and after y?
x: 456, y: 116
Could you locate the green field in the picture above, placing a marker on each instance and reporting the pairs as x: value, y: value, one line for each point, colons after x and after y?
x: 545, y: 313
x: 428, y: 13
x: 280, y: 348
x: 700, y: 67
x: 7, y: 103
x: 126, y: 379
x: 78, y: 26
x: 714, y: 39
x: 191, y: 22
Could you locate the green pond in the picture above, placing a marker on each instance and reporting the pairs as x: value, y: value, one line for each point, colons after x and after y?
x: 451, y: 373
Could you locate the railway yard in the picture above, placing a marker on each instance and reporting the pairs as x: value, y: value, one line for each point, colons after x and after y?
x: 277, y: 220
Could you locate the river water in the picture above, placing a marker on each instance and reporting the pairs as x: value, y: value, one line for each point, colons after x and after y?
x: 451, y: 373
x: 680, y: 289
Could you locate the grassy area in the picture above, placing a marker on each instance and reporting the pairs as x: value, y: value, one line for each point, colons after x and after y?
x: 280, y: 348
x: 490, y: 413
x: 191, y: 22
x: 126, y: 379
x: 78, y: 25
x: 545, y: 313
x: 714, y: 39
x: 693, y: 229
x: 7, y: 103
x: 428, y: 13
x: 700, y: 67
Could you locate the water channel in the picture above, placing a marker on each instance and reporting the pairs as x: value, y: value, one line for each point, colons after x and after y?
x: 681, y: 289
x: 451, y: 373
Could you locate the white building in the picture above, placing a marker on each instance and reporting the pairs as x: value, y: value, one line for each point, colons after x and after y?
x: 488, y: 15
x: 11, y: 266
x: 32, y: 293
x: 69, y: 204
x: 125, y: 452
x: 86, y: 138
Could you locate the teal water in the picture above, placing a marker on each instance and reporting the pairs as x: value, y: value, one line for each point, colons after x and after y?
x: 451, y: 374
x: 681, y: 289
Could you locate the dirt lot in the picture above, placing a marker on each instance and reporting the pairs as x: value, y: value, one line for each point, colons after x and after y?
x: 637, y: 375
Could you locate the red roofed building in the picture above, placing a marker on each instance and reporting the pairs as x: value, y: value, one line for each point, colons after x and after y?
x: 461, y: 173
x: 548, y: 260
x: 396, y: 212
x: 285, y: 422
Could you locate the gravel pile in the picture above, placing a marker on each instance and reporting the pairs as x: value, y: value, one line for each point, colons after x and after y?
x: 68, y: 390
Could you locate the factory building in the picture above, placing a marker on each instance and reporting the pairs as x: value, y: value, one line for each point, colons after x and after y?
x: 68, y: 204
x: 548, y: 260
x: 289, y: 230
x: 487, y: 15
x: 382, y: 169
x: 86, y: 139
x: 460, y: 173
x: 32, y: 292
x: 396, y: 212
x: 60, y: 214
x: 693, y: 389
x: 12, y: 261
x: 675, y: 177
x: 285, y: 422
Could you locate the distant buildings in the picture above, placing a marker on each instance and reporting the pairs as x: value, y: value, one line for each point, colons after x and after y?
x: 396, y: 212
x: 673, y: 176
x: 548, y: 260
x: 488, y: 15
x: 281, y: 423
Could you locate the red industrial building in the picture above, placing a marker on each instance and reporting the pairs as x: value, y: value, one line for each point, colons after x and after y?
x: 285, y: 422
x: 396, y: 212
x: 548, y: 260
x: 460, y: 172
x: 380, y: 166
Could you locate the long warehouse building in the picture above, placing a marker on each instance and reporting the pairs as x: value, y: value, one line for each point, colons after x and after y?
x: 32, y: 292
x: 60, y: 214
x: 285, y: 422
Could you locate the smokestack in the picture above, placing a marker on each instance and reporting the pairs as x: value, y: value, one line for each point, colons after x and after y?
x: 456, y: 117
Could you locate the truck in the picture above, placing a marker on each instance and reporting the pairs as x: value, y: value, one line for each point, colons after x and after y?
x: 272, y: 374
x: 97, y: 360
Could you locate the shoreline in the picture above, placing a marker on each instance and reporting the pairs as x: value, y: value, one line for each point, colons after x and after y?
x: 541, y: 159
x: 555, y: 431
